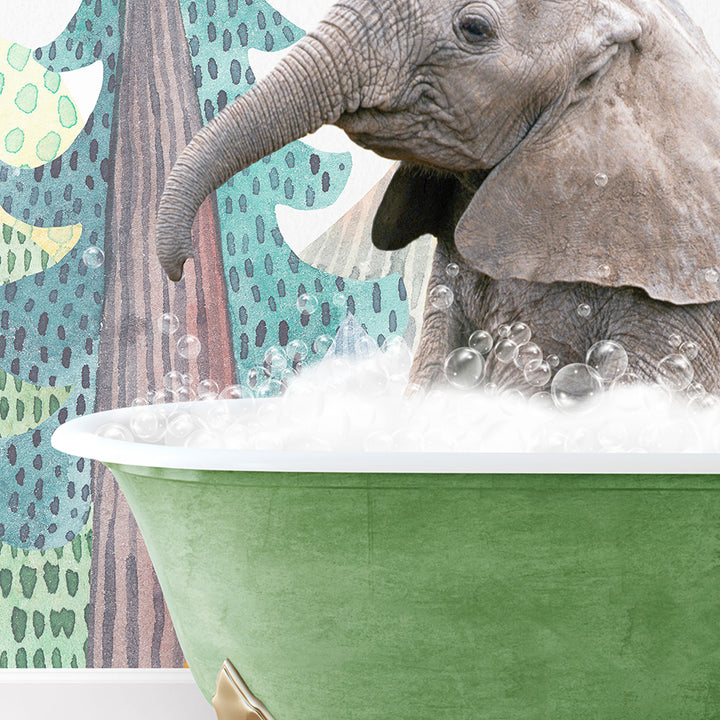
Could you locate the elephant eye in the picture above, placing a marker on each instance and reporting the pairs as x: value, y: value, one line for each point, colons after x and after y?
x: 475, y: 29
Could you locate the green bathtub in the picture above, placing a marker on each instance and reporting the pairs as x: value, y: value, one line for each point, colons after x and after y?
x: 342, y: 588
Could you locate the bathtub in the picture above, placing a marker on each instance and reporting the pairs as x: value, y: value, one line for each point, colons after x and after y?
x: 327, y: 586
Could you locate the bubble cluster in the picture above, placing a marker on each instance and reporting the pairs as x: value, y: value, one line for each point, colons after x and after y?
x: 344, y: 404
x: 357, y: 395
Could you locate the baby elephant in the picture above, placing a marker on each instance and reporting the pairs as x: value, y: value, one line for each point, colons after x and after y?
x: 564, y: 154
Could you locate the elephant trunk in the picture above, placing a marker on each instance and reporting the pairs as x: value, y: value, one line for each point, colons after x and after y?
x: 314, y: 84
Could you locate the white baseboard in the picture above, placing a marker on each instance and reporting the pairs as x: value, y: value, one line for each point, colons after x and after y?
x: 101, y: 695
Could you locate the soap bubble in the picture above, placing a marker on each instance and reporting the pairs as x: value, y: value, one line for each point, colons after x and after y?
x: 147, y: 424
x: 257, y: 377
x: 397, y: 358
x: 574, y: 386
x: 711, y: 275
x: 140, y: 402
x: 339, y: 300
x: 674, y: 372
x: 503, y: 331
x: 365, y: 347
x: 604, y: 271
x: 584, y: 310
x: 208, y: 390
x: 234, y: 392
x: 275, y: 361
x: 179, y: 426
x: 481, y: 341
x: 215, y: 417
x: 168, y: 323
x: 601, y: 179
x: 552, y: 360
x: 542, y: 399
x: 537, y: 373
x: 296, y: 350
x: 188, y: 347
x: 321, y: 344
x: 307, y: 303
x: 464, y: 368
x: 441, y: 297
x: 675, y: 340
x: 115, y: 431
x: 696, y: 390
x: 626, y: 380
x: 173, y: 380
x: 528, y: 352
x: 185, y: 394
x: 689, y: 349
x: 506, y: 351
x: 162, y: 396
x: 608, y: 359
x: 452, y: 270
x: 270, y: 389
x: 93, y: 257
x: 519, y: 333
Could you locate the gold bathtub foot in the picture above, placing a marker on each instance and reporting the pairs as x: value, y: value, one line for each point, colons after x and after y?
x: 233, y: 700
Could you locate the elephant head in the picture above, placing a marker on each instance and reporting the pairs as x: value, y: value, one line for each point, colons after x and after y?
x: 586, y: 130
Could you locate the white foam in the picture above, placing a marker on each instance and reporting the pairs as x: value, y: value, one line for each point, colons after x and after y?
x: 349, y: 405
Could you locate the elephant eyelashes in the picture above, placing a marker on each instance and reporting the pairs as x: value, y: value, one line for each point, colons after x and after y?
x: 475, y: 30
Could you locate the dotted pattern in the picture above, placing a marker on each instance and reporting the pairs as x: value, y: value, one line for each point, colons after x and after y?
x: 44, y: 605
x: 50, y: 321
x: 24, y: 406
x: 26, y: 250
x: 263, y: 276
x: 39, y: 118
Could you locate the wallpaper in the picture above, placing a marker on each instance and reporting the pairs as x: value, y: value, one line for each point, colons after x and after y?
x: 80, y: 301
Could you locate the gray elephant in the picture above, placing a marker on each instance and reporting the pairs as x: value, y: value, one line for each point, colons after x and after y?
x: 563, y: 152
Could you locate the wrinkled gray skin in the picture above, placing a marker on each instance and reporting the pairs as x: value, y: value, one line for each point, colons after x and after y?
x: 503, y: 112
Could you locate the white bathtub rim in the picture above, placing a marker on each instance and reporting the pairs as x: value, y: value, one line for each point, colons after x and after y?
x: 78, y: 437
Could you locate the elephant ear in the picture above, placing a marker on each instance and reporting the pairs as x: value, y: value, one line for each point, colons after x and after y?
x: 416, y: 203
x: 624, y: 188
